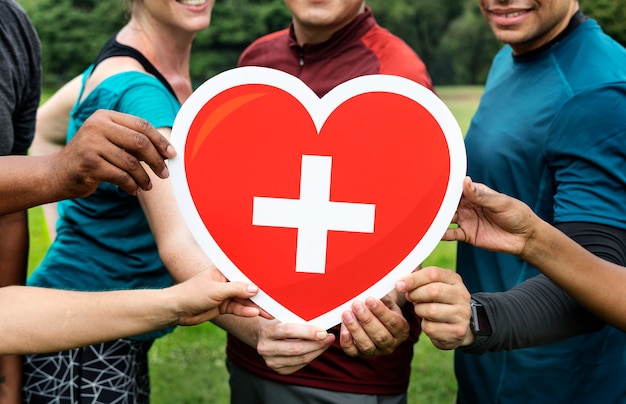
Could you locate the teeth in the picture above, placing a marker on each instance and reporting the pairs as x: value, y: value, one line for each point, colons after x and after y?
x: 515, y: 14
x: 192, y: 2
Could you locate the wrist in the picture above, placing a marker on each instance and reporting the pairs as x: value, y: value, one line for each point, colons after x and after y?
x: 168, y: 306
x: 538, y: 242
x: 480, y: 328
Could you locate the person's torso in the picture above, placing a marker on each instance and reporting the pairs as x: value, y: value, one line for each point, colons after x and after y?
x: 526, y: 141
x: 104, y: 241
x: 361, y: 48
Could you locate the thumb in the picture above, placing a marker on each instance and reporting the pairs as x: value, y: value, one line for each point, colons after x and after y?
x: 406, y: 283
x: 229, y: 290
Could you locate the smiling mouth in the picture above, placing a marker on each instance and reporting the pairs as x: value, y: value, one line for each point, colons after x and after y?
x: 513, y: 14
x: 508, y: 14
x: 192, y: 2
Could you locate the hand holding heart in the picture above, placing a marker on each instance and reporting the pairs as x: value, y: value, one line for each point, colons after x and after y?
x: 441, y: 299
x: 373, y: 327
x: 287, y: 347
x: 377, y: 327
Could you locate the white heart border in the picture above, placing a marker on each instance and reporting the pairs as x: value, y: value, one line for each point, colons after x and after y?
x: 319, y: 109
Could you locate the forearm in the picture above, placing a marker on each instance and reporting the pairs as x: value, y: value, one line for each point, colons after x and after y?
x: 13, y: 248
x: 534, y: 313
x: 11, y: 384
x: 178, y: 249
x: 45, y: 320
x: 245, y: 329
x: 26, y: 182
x: 14, y: 253
x: 595, y: 282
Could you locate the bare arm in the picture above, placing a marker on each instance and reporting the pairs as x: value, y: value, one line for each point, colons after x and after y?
x: 497, y: 222
x: 14, y: 252
x: 47, y: 320
x: 178, y: 249
x: 108, y: 147
x: 51, y: 131
x: 53, y: 118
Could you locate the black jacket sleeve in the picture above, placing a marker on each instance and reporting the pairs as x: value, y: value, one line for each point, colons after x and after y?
x: 537, y: 311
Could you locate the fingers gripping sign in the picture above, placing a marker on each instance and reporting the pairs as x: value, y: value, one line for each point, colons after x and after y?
x: 443, y: 302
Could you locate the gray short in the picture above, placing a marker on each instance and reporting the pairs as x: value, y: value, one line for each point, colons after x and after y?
x: 247, y: 388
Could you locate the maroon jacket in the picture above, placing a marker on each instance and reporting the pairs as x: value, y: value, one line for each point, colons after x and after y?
x: 360, y: 48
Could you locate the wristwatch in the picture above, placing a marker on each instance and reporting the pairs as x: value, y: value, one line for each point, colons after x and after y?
x: 479, y: 324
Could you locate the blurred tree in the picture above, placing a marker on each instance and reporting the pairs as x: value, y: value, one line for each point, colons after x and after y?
x: 467, y: 48
x: 72, y: 32
x: 234, y: 25
x: 610, y: 14
x: 449, y: 35
x: 421, y: 23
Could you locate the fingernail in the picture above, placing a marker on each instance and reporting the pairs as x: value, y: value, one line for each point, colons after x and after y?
x: 253, y: 288
x: 166, y: 172
x: 348, y: 317
x: 358, y: 308
x: 401, y: 285
x: 170, y: 150
x: 321, y: 334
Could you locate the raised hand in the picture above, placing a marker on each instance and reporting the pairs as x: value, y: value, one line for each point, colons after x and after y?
x: 109, y: 146
x: 491, y: 220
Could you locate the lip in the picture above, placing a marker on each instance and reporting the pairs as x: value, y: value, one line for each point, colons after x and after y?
x: 508, y: 17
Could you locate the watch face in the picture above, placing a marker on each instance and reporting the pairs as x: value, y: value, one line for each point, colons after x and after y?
x: 480, y: 323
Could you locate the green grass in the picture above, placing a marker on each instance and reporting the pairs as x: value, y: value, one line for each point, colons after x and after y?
x: 187, y: 366
x: 39, y: 239
x: 462, y: 101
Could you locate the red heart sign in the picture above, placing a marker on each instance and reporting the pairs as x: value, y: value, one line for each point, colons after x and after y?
x: 317, y: 201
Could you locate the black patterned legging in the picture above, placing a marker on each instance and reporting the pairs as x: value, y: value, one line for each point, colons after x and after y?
x: 113, y: 372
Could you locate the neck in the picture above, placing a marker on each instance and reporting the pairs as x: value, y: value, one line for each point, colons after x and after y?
x: 312, y: 34
x: 168, y: 52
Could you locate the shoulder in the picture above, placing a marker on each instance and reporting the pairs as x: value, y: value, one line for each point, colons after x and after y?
x: 268, y: 39
x: 588, y: 57
x: 18, y: 32
x: 16, y: 25
x: 132, y: 92
x: 597, y: 111
x: 265, y: 45
x: 123, y: 75
x: 396, y: 56
x: 112, y: 66
x: 12, y: 12
x: 136, y: 87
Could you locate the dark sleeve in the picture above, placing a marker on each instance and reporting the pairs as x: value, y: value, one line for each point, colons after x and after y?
x: 537, y: 312
x: 20, y: 87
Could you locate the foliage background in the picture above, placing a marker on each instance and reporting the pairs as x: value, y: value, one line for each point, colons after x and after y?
x: 450, y: 35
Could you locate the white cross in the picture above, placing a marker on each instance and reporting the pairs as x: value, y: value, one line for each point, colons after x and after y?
x: 313, y: 214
